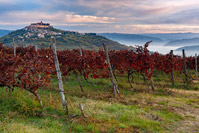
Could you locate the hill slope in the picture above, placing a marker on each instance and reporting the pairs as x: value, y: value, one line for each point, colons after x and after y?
x: 173, y: 36
x: 4, y: 32
x: 189, y: 50
x: 184, y: 42
x: 132, y: 39
x: 65, y: 39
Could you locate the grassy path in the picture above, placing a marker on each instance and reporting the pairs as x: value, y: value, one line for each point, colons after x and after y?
x: 167, y: 109
x: 191, y: 114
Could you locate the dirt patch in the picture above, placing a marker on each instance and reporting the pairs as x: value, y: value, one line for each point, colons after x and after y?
x: 103, y: 125
x: 189, y: 111
x: 191, y: 120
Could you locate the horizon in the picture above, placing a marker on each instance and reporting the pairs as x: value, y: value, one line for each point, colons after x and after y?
x: 111, y: 32
x: 101, y: 16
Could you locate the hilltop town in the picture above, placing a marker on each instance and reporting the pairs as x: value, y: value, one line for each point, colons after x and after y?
x: 41, y: 30
x: 41, y: 33
x: 44, y: 30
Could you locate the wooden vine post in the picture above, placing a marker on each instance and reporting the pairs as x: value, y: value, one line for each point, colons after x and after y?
x: 184, y: 62
x: 36, y: 48
x: 80, y: 49
x: 61, y: 87
x: 152, y: 84
x: 129, y: 74
x: 151, y: 79
x: 81, y: 54
x: 14, y: 52
x: 196, y: 65
x: 172, y: 71
x: 14, y: 47
x: 24, y: 45
x: 76, y: 74
x: 80, y: 84
x: 81, y: 106
x: 115, y: 87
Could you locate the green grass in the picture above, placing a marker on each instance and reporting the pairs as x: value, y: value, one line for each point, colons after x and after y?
x: 142, y: 110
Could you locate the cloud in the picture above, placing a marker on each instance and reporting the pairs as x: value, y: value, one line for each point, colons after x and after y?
x: 133, y: 29
x: 104, y: 15
x: 20, y: 17
x: 17, y: 5
x: 162, y: 28
x: 87, y: 19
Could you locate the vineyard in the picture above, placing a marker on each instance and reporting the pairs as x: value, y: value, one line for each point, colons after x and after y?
x: 119, y: 80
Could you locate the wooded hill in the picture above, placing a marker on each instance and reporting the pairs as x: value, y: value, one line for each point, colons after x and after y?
x: 65, y: 39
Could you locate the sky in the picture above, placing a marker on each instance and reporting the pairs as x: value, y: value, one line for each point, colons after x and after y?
x: 121, y: 16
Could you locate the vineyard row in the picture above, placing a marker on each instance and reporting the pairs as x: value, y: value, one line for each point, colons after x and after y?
x: 31, y: 69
